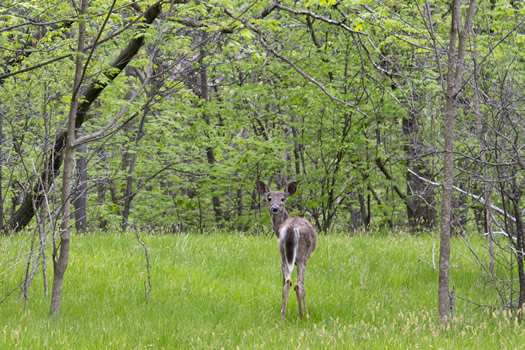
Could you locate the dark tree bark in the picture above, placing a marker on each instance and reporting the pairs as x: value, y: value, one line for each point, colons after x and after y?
x: 102, y: 186
x: 126, y: 165
x: 210, y: 155
x: 80, y: 196
x: 1, y: 163
x: 296, y: 149
x: 364, y: 209
x: 419, y: 199
x: 25, y: 213
x: 396, y: 189
x: 356, y: 216
x: 216, y: 201
x: 240, y: 209
x: 481, y: 131
x: 520, y: 246
x: 129, y: 195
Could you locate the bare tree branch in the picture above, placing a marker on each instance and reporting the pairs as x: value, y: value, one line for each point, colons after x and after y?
x: 478, y: 198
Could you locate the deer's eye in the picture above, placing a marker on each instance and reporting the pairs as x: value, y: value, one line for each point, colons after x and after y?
x: 282, y: 199
x: 269, y: 199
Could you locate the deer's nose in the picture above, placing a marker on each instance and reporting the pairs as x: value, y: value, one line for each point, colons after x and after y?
x: 275, y: 209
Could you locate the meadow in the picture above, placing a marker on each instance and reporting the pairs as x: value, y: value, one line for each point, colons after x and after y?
x: 224, y: 291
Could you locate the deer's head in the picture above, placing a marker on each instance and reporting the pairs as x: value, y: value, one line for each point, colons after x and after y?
x: 276, y: 199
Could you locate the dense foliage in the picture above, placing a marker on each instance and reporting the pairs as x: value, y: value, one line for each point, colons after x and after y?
x: 228, y: 93
x: 184, y: 105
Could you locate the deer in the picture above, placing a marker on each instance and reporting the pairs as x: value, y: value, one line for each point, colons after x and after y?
x: 296, y: 240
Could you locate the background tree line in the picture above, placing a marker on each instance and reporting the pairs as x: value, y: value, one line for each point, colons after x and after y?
x: 180, y: 106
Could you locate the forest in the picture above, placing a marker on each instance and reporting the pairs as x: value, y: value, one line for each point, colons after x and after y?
x: 159, y: 117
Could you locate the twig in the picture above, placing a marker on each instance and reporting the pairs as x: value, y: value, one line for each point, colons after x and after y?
x: 11, y: 292
x: 434, y: 256
x: 147, y: 289
x: 475, y: 196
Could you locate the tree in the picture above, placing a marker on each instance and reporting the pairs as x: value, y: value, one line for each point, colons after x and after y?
x: 61, y: 254
x: 34, y: 198
x: 456, y: 56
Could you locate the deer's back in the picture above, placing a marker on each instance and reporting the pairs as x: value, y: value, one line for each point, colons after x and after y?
x: 307, y: 236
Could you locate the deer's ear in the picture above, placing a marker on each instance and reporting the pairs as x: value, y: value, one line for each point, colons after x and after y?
x: 262, y: 188
x: 290, y: 189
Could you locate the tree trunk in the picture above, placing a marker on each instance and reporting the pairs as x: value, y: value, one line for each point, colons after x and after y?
x: 80, y: 196
x: 454, y: 75
x: 296, y: 149
x: 61, y: 260
x: 520, y: 249
x: 480, y: 129
x: 1, y: 162
x: 446, y: 210
x: 128, y: 197
x: 420, y: 212
x: 240, y: 210
x: 364, y: 209
x: 356, y: 217
x: 126, y: 165
x: 210, y: 155
x: 216, y: 201
x: 102, y: 186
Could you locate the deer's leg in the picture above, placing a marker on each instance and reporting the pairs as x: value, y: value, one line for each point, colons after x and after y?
x: 286, y: 292
x: 287, y: 282
x: 299, y: 299
x: 299, y: 288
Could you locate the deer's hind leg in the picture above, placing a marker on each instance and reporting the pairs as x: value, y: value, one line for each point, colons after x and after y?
x: 287, y: 282
x: 299, y: 288
x: 286, y: 292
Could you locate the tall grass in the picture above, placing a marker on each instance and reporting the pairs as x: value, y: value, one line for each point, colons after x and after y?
x: 224, y: 291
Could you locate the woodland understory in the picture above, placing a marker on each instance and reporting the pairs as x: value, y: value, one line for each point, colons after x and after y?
x: 160, y: 116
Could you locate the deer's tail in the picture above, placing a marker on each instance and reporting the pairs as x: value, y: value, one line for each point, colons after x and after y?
x: 291, y: 242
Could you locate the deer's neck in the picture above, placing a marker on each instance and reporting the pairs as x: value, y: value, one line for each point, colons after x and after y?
x: 278, y: 219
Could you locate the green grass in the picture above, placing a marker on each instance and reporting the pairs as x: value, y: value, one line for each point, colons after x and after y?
x: 223, y: 291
